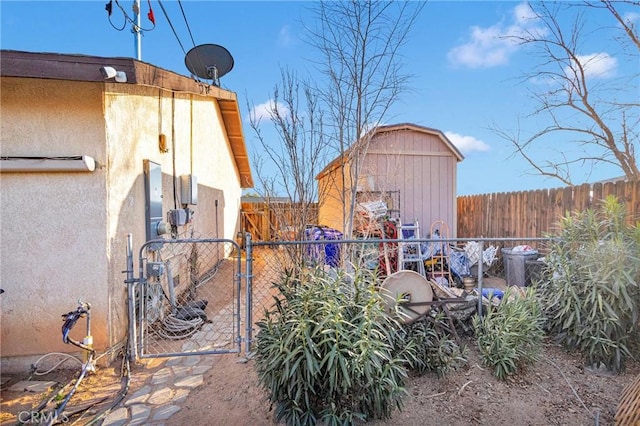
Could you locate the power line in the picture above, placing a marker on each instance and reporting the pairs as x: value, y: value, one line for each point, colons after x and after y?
x: 136, y: 27
x: 171, y: 25
x: 187, y: 23
x: 127, y: 19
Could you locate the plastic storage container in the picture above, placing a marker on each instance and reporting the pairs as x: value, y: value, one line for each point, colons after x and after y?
x: 516, y: 267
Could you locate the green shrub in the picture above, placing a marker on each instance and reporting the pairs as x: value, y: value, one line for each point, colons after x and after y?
x: 510, y: 335
x: 428, y: 347
x: 324, y: 351
x: 592, y: 301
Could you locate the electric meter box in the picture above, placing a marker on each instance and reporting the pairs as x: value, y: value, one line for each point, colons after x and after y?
x: 177, y: 217
x: 188, y: 189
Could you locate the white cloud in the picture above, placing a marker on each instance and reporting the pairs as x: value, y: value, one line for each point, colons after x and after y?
x: 598, y: 65
x: 284, y: 36
x: 263, y: 111
x: 493, y: 46
x: 467, y: 144
x: 484, y: 50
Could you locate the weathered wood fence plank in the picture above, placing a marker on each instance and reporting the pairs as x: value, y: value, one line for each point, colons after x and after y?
x: 535, y: 213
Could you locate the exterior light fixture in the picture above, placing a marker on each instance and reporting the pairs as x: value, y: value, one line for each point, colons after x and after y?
x: 110, y: 72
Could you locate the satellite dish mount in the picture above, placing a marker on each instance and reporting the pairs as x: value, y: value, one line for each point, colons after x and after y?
x: 213, y: 73
x: 209, y: 61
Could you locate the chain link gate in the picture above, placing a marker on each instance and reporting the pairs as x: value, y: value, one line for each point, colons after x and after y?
x: 187, y: 299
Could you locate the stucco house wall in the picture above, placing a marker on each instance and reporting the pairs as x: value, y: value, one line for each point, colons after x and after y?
x: 64, y: 234
x: 406, y: 163
x: 51, y: 224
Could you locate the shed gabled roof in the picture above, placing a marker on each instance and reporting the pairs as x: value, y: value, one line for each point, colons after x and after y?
x: 87, y: 68
x: 393, y: 128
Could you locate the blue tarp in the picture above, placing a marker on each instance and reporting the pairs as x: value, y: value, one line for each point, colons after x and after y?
x: 328, y: 253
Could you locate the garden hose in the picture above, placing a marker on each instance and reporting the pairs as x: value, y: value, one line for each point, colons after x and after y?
x: 176, y: 328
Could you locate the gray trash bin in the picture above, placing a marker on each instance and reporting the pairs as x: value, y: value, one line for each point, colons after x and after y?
x: 535, y: 271
x: 515, y: 266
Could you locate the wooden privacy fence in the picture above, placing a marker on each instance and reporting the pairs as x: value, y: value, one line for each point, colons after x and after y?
x: 536, y: 213
x: 263, y: 219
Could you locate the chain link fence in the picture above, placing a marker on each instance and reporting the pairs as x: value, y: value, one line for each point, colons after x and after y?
x: 491, y: 264
x: 189, y: 297
x: 204, y: 296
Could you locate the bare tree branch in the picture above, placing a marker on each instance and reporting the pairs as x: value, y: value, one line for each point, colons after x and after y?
x: 576, y: 97
x: 298, y: 153
x: 359, y: 43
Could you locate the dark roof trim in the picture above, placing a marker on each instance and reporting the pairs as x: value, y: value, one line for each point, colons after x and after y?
x: 85, y: 68
x: 233, y: 125
x: 58, y: 66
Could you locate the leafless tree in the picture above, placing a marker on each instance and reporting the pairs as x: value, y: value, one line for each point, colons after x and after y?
x: 596, y: 114
x: 297, y: 155
x: 359, y: 44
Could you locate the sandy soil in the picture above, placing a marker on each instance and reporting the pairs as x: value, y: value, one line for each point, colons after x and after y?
x: 557, y: 390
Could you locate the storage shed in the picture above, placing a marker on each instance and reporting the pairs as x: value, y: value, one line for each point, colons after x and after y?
x: 412, y: 168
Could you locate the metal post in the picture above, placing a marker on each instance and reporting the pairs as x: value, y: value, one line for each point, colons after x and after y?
x: 133, y: 353
x: 137, y: 32
x: 249, y: 290
x: 480, y: 279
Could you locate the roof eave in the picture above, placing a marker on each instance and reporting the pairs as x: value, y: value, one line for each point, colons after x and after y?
x: 233, y: 125
x: 390, y: 128
x: 86, y: 68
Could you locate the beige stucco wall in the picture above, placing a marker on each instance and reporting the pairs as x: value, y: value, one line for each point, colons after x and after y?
x: 64, y: 235
x: 197, y: 145
x: 52, y: 225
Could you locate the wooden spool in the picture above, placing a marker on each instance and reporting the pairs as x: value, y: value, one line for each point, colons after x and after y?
x: 408, y: 294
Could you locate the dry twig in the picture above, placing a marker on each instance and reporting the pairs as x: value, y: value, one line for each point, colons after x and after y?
x: 464, y: 386
x: 436, y: 394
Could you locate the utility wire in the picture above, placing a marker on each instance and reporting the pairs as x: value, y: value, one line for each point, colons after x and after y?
x: 109, y: 8
x: 187, y: 23
x: 171, y: 25
x: 127, y: 19
x: 201, y: 63
x: 166, y: 15
x: 136, y: 11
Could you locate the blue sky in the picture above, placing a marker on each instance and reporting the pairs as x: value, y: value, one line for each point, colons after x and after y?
x: 465, y: 76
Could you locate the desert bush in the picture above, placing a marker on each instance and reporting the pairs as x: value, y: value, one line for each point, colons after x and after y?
x: 592, y: 301
x: 324, y: 351
x: 510, y: 335
x: 428, y: 346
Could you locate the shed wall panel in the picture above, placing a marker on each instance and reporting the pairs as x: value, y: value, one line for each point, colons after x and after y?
x: 418, y: 164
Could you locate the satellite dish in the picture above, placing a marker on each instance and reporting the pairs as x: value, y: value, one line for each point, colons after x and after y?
x: 407, y: 292
x: 209, y: 61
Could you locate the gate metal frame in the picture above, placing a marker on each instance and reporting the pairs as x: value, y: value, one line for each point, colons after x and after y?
x: 136, y: 303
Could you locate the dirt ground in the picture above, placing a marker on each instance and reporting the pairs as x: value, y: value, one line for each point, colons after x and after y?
x: 557, y: 390
x: 97, y: 390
